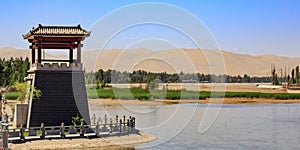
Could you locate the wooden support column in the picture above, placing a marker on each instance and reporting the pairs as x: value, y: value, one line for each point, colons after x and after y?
x: 79, y: 51
x: 71, y: 55
x: 39, y: 52
x: 32, y: 56
x: 39, y: 55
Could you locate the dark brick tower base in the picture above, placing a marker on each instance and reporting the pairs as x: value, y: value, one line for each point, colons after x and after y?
x: 63, y: 97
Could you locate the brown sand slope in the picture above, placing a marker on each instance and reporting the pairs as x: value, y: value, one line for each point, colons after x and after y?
x: 8, y: 52
x: 172, y: 60
x: 176, y: 60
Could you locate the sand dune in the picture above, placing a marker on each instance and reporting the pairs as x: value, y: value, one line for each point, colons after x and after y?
x: 8, y: 52
x: 188, y: 60
x: 174, y: 61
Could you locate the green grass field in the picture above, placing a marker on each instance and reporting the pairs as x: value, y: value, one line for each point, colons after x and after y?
x: 142, y: 94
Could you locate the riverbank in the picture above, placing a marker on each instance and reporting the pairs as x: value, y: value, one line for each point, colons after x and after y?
x: 112, y: 142
x: 96, y: 103
x: 234, y: 101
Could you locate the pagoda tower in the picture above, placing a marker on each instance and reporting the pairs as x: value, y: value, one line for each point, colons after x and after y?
x: 61, y: 81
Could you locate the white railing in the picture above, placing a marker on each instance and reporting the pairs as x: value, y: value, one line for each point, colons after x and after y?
x: 109, y: 127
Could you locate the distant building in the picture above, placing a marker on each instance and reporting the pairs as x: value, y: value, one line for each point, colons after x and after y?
x: 189, y: 81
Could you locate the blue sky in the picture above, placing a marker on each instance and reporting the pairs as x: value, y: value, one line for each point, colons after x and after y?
x: 253, y: 27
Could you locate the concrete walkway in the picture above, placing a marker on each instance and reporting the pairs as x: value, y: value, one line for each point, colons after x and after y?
x: 112, y: 142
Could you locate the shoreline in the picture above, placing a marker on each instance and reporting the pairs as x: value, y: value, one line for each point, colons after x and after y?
x: 115, y: 102
x: 235, y: 101
x: 110, y: 142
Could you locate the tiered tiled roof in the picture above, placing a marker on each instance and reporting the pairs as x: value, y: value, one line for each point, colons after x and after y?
x: 56, y: 31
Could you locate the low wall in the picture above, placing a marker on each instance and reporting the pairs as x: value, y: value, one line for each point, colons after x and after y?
x: 20, y: 115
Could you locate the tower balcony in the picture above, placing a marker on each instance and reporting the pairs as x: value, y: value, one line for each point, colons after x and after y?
x: 75, y: 66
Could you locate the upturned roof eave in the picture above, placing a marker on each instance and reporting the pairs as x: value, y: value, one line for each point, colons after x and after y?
x: 31, y: 34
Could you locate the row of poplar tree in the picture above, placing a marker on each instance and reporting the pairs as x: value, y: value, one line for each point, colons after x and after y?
x: 141, y: 76
x: 290, y: 79
x: 13, y: 70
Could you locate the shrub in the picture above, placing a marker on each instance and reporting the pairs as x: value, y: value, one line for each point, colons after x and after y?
x: 77, y: 120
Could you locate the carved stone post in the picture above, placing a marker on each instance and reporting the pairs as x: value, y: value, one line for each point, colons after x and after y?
x: 62, y: 130
x: 82, y: 130
x: 111, y: 125
x: 43, y: 131
x: 97, y: 130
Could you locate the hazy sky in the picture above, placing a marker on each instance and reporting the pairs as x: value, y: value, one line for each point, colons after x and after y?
x: 252, y: 27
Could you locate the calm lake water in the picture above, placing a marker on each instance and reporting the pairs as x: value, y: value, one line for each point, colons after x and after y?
x: 243, y: 126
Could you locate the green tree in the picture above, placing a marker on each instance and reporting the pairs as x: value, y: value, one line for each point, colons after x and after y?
x: 1, y: 72
x: 274, y: 77
x: 25, y: 66
x: 97, y: 84
x: 246, y: 79
x: 100, y: 75
x: 297, y: 75
x: 107, y: 76
x: 13, y: 70
x: 22, y: 88
x: 7, y: 71
x: 293, y: 77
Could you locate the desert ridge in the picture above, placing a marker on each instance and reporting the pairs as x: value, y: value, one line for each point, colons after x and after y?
x: 170, y: 61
